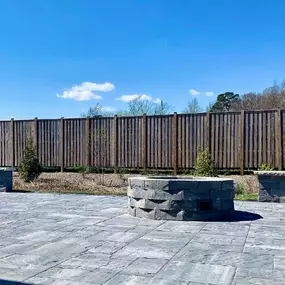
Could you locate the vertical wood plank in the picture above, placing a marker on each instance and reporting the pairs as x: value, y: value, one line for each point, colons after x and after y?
x: 209, y: 131
x: 174, y: 143
x: 264, y: 138
x: 87, y: 142
x: 217, y: 140
x: 179, y: 142
x: 251, y: 138
x: 35, y: 134
x: 241, y: 142
x: 232, y: 141
x: 278, y: 142
x: 61, y: 144
x: 254, y: 142
x: 270, y: 133
x: 12, y: 143
x: 144, y: 142
x: 115, y: 143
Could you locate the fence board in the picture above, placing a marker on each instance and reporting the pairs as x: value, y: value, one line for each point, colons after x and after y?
x: 159, y: 144
x: 191, y: 136
x: 148, y: 141
x: 4, y: 143
x: 22, y: 132
x: 101, y: 142
x: 48, y: 142
x: 282, y: 120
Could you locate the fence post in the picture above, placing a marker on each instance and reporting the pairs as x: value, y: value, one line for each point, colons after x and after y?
x: 209, y: 131
x: 174, y: 143
x: 61, y: 144
x: 278, y: 130
x: 115, y: 143
x: 241, y: 143
x: 35, y: 134
x: 12, y: 143
x: 144, y: 142
x: 88, y: 142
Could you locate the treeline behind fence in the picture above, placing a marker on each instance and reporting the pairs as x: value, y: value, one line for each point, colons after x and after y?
x: 237, y: 140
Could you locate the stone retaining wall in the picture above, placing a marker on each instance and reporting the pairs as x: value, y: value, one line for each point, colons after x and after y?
x: 180, y: 198
x: 271, y: 186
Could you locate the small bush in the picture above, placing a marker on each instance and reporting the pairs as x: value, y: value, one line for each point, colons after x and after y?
x: 83, y: 170
x: 239, y: 189
x: 204, y: 164
x: 265, y: 167
x: 30, y: 168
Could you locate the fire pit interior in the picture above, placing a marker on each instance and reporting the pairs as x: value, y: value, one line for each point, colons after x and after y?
x: 181, y: 198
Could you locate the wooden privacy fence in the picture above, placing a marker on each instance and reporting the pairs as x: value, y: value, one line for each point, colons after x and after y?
x: 237, y: 140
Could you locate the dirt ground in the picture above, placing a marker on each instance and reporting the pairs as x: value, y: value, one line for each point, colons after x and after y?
x: 105, y: 184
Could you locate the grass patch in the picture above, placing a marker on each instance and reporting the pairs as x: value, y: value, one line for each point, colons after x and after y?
x: 246, y: 197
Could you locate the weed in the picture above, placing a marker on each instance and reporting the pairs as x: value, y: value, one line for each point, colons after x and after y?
x: 204, y: 164
x: 265, y: 167
x: 239, y: 189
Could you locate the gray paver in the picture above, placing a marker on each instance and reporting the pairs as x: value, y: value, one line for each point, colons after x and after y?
x: 122, y: 279
x: 70, y: 239
x: 99, y: 276
x: 198, y: 272
x: 48, y: 281
x: 145, y: 266
x: 92, y: 261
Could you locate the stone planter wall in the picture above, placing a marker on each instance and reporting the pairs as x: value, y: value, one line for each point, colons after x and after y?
x: 271, y: 186
x: 6, y: 179
x: 180, y: 198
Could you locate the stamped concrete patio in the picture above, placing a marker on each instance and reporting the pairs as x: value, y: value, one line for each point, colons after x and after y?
x: 76, y: 239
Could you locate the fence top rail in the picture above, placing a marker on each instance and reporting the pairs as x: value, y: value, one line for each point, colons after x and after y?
x: 140, y: 116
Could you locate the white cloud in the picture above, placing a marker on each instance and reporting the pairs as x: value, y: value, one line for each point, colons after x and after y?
x: 145, y: 97
x: 86, y: 91
x: 194, y: 92
x: 128, y: 98
x: 209, y: 93
x: 131, y: 97
x: 157, y: 101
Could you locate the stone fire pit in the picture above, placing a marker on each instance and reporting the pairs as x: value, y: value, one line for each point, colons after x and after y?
x: 181, y: 198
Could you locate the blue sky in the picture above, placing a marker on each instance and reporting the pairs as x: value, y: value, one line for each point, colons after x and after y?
x: 54, y: 53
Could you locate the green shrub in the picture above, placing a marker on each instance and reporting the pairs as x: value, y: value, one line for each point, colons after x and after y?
x: 83, y: 170
x: 265, y: 167
x: 30, y: 168
x: 239, y: 189
x: 204, y: 164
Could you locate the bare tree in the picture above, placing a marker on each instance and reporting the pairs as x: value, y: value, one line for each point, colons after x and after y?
x: 193, y: 107
x: 163, y: 108
x: 96, y: 111
x: 272, y: 97
x: 138, y: 107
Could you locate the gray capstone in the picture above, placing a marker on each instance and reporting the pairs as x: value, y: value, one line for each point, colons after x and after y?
x: 181, y: 198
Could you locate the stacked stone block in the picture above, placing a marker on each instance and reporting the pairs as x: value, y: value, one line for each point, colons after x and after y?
x: 180, y: 198
x: 6, y: 180
x: 271, y: 186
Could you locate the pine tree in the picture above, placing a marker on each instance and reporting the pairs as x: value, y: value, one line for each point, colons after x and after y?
x: 30, y: 167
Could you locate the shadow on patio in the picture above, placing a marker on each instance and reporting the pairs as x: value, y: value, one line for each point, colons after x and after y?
x: 7, y: 282
x: 239, y: 216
